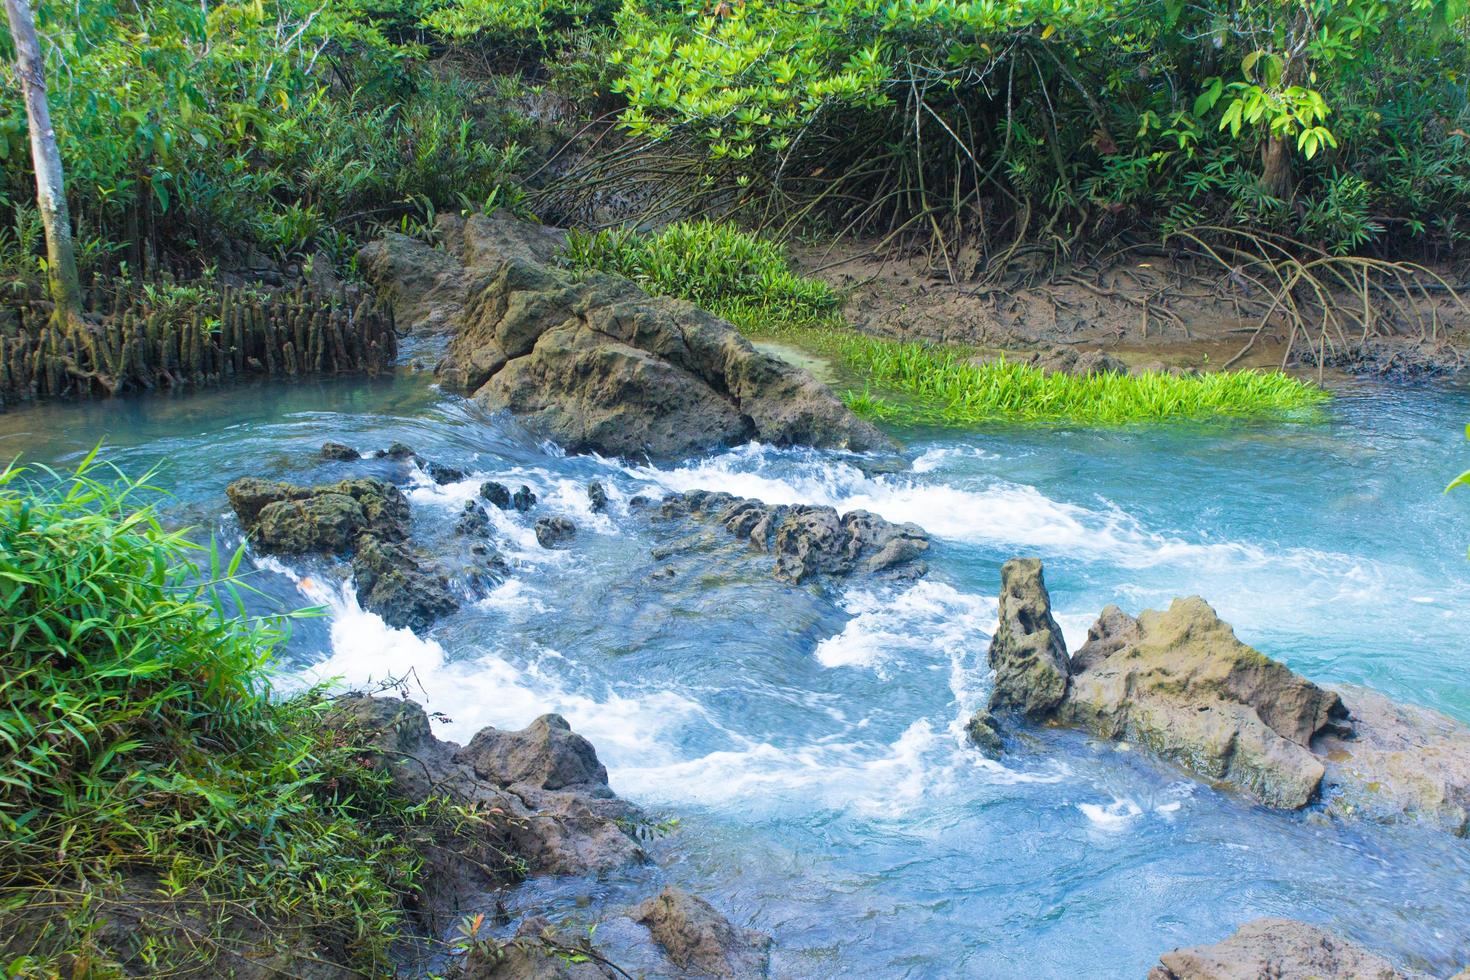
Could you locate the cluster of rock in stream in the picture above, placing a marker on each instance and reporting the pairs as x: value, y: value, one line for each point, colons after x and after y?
x: 549, y: 805
x: 1180, y: 684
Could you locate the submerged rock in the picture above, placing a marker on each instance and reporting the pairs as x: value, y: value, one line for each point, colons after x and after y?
x: 442, y: 474
x: 597, y: 497
x: 698, y: 939
x: 1177, y: 682
x: 497, y: 493
x: 984, y: 731
x: 473, y: 521
x: 338, y: 452
x: 523, y: 499
x: 807, y: 540
x: 554, y: 531
x: 1281, y: 948
x: 537, y: 952
x: 594, y: 362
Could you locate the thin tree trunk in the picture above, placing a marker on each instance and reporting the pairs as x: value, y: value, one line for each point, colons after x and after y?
x: 61, y: 266
x: 1277, y: 178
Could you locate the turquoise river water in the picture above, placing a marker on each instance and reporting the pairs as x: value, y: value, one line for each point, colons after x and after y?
x: 809, y: 739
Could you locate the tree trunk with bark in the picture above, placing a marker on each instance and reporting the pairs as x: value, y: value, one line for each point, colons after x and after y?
x: 61, y: 265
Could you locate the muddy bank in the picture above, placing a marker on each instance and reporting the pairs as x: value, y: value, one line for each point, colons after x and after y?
x: 1150, y: 310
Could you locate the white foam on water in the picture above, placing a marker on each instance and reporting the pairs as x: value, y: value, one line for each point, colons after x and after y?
x: 488, y: 689
x: 1114, y: 816
x: 994, y: 513
x: 885, y: 627
x: 860, y: 777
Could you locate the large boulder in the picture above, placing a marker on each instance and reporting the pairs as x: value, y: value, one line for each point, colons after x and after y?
x: 1401, y: 763
x: 595, y: 363
x: 1027, y: 652
x: 807, y: 540
x: 701, y: 941
x: 1278, y: 948
x: 1180, y: 683
x: 1177, y: 682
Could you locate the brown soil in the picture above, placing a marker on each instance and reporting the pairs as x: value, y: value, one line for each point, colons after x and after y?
x: 1148, y: 312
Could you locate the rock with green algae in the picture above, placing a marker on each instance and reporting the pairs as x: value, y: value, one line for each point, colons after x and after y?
x: 1180, y: 683
x: 1177, y: 682
x: 593, y: 361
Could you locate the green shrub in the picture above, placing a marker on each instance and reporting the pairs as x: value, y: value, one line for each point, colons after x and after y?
x: 143, y: 757
x: 731, y: 273
x: 186, y: 126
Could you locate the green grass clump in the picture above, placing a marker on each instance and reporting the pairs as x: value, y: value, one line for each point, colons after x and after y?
x: 159, y: 809
x: 943, y: 387
x: 734, y: 274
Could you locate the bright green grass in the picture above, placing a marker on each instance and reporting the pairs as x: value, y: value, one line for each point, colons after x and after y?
x: 750, y: 281
x: 943, y: 387
x: 727, y: 271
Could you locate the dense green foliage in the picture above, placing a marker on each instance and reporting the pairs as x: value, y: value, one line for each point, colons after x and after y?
x: 943, y: 386
x: 1339, y: 122
x: 288, y: 125
x: 142, y: 756
x: 732, y: 273
x: 280, y: 126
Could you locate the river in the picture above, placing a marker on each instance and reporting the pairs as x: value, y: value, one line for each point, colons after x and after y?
x: 806, y: 743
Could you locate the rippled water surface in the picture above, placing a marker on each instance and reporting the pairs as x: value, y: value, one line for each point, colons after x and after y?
x: 809, y: 740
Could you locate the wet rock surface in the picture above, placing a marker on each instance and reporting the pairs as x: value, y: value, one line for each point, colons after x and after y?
x: 591, y: 360
x: 808, y: 540
x: 544, y: 786
x: 288, y: 519
x: 1284, y: 948
x: 401, y: 584
x: 1027, y: 652
x: 701, y: 941
x: 1401, y: 763
x: 367, y: 518
x: 1178, y: 683
x: 553, y: 532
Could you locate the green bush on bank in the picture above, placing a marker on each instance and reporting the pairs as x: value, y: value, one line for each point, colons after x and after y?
x: 194, y: 129
x: 731, y: 273
x: 146, y: 770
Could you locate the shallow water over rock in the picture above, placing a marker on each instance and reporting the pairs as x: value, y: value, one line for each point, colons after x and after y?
x: 809, y: 738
